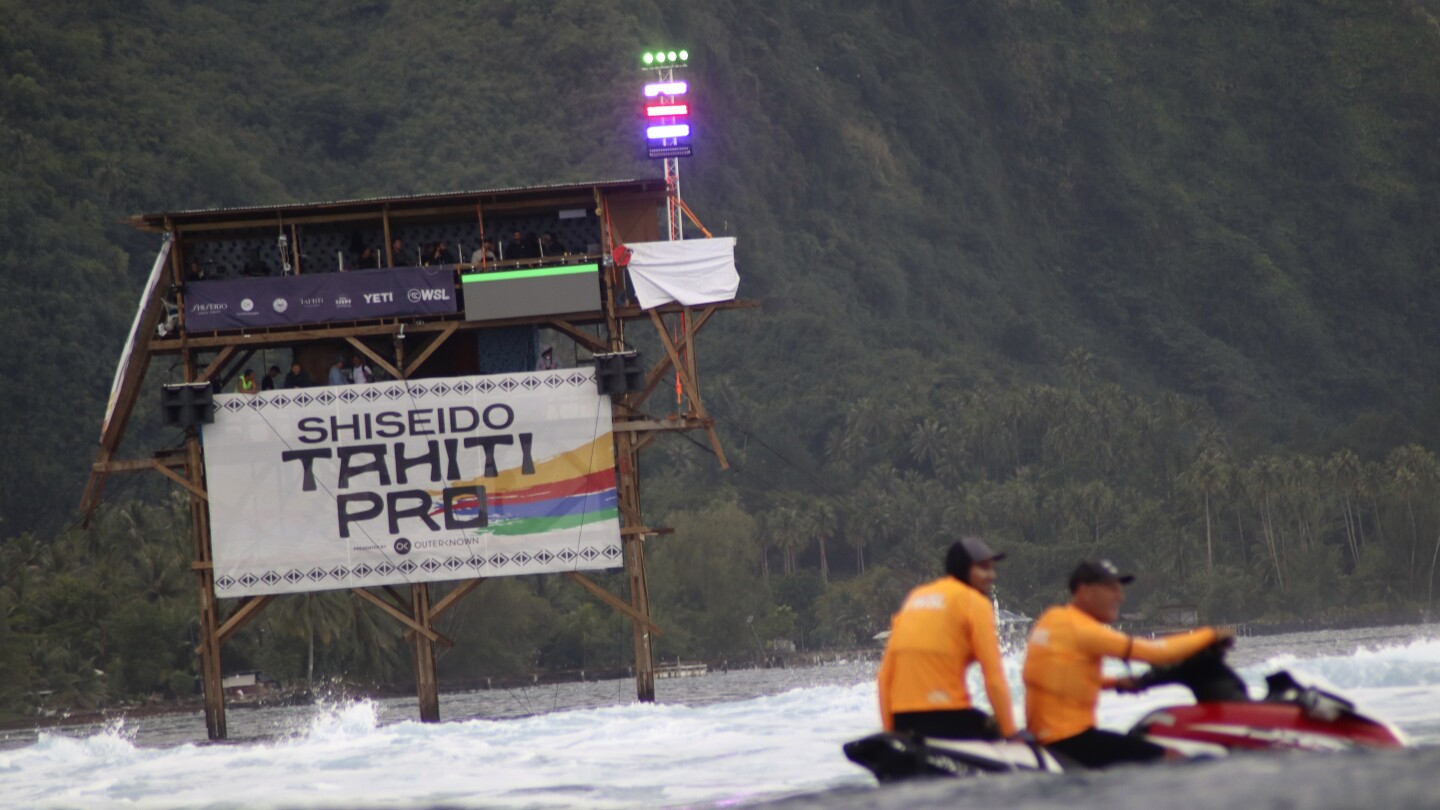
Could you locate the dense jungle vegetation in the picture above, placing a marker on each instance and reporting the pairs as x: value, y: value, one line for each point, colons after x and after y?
x: 1150, y: 280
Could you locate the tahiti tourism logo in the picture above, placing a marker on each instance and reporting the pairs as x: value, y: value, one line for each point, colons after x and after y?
x: 316, y: 301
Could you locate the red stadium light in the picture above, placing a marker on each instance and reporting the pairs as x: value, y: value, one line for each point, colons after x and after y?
x: 663, y: 110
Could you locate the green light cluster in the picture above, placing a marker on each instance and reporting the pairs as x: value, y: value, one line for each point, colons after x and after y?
x: 665, y: 57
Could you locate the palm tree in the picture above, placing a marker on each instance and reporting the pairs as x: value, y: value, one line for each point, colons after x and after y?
x: 1344, y: 471
x: 309, y: 616
x: 1207, y: 477
x: 822, y: 521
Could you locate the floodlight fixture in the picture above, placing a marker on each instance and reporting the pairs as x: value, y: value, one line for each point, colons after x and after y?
x: 667, y: 131
x: 666, y: 152
x: 664, y: 57
x: 663, y: 110
x: 666, y: 89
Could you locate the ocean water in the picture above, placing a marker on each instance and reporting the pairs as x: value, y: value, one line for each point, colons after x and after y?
x: 726, y: 739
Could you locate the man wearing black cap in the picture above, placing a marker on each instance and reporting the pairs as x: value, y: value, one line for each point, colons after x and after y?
x: 1062, y: 668
x: 942, y: 628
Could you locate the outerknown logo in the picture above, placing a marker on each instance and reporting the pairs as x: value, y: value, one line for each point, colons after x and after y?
x: 281, y: 305
x: 247, y: 305
x: 402, y: 546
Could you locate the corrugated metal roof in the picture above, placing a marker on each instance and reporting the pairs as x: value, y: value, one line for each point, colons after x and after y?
x: 362, y: 201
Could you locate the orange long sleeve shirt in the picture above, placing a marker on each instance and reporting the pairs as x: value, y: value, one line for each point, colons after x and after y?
x: 941, y: 629
x: 1062, y: 667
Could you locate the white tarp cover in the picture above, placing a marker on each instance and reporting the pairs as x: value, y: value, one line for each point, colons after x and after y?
x: 693, y: 271
x: 391, y: 483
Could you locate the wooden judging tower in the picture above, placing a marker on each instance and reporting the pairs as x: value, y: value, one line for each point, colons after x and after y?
x: 211, y: 300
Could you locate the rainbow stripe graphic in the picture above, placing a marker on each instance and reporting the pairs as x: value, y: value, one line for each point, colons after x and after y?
x: 572, y: 489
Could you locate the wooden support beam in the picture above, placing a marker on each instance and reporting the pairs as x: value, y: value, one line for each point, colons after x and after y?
x: 448, y: 602
x: 427, y: 688
x: 248, y: 609
x: 315, y: 333
x: 612, y: 600
x: 650, y: 425
x: 645, y: 531
x: 688, y: 378
x: 575, y: 333
x: 137, y: 464
x: 173, y: 476
x: 397, y: 614
x: 379, y: 361
x: 439, y: 340
x: 218, y: 363
x: 460, y: 592
x: 657, y: 373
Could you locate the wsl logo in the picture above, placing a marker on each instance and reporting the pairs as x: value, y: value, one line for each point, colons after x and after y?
x: 416, y: 296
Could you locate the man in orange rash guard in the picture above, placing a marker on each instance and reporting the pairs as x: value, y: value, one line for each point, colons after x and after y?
x: 1062, y: 668
x: 943, y: 627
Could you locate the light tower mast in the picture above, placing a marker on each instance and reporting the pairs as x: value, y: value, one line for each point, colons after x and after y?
x: 667, y: 131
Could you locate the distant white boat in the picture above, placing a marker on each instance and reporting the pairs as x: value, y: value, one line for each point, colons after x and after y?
x: 682, y: 670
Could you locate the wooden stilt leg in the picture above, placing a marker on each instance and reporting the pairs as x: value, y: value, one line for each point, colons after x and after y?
x: 426, y: 687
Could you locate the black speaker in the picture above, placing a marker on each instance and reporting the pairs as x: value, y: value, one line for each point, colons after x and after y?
x: 619, y: 373
x: 187, y: 404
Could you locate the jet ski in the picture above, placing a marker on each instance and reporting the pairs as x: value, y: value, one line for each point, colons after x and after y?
x: 1224, y: 718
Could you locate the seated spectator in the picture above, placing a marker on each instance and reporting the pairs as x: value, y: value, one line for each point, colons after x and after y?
x: 297, y: 378
x: 439, y: 254
x: 547, y: 359
x: 359, y: 372
x: 246, y: 384
x: 519, y: 247
x: 550, y: 246
x: 397, y: 253
x: 268, y: 383
x: 368, y: 259
x: 485, y: 254
x: 338, y: 373
x: 196, y: 272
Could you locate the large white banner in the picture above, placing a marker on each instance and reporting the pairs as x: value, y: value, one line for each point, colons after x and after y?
x: 390, y: 483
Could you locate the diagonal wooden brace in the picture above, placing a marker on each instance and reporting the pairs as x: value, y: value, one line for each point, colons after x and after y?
x: 613, y: 601
x: 403, y: 617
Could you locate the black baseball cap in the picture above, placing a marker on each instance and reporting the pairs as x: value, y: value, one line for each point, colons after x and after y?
x: 966, y: 552
x: 1098, y: 571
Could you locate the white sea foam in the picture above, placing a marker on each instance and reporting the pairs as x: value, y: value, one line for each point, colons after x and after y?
x: 632, y: 755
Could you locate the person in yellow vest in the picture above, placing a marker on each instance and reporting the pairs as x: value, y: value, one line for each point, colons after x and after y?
x: 1062, y: 668
x: 246, y: 384
x: 941, y: 629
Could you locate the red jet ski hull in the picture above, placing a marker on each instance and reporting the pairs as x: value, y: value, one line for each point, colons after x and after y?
x: 1264, y: 725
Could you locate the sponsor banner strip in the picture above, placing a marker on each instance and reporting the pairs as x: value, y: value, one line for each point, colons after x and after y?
x: 245, y: 303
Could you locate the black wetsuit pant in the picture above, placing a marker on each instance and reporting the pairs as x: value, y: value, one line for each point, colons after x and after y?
x: 954, y: 724
x: 1095, y: 748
